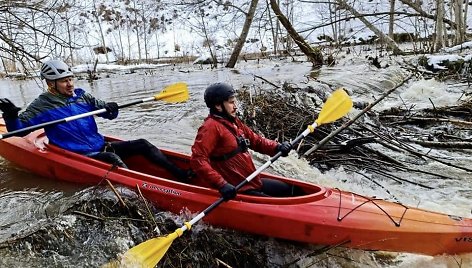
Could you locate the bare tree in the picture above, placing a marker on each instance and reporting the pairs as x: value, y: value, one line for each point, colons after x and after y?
x: 97, y: 14
x: 242, y: 37
x: 384, y: 38
x: 458, y: 17
x: 391, y: 22
x: 22, y: 39
x: 208, y: 40
x: 314, y: 56
x: 464, y: 21
x: 274, y: 28
x: 439, y: 35
x: 137, y: 28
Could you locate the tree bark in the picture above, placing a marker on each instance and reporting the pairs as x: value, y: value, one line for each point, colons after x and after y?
x: 391, y: 22
x: 242, y: 37
x: 135, y: 12
x: 439, y: 25
x: 459, y: 21
x: 314, y: 56
x: 464, y: 21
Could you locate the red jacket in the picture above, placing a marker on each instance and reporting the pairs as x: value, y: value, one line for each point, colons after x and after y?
x: 215, y: 139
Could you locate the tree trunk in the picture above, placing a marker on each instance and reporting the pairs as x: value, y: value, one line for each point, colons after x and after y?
x: 135, y: 11
x: 391, y: 22
x: 146, y: 58
x: 464, y: 21
x: 459, y: 21
x: 439, y: 42
x: 158, y: 46
x: 315, y: 57
x: 207, y: 38
x: 128, y: 35
x: 272, y: 29
x: 99, y: 22
x: 242, y: 37
x: 384, y: 38
x: 69, y: 40
x: 335, y: 24
x: 121, y: 43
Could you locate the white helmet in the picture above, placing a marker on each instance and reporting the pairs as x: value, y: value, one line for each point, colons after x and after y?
x: 55, y: 69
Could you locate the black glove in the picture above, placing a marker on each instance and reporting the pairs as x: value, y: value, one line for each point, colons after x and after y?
x: 284, y: 147
x: 228, y: 191
x: 9, y: 109
x: 111, y: 107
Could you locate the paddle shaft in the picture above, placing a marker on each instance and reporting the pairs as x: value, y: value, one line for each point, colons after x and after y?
x: 249, y: 178
x: 70, y: 118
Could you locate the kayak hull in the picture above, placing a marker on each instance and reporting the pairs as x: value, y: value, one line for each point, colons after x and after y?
x: 326, y: 216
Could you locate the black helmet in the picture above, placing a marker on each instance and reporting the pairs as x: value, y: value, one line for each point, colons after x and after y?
x: 217, y: 94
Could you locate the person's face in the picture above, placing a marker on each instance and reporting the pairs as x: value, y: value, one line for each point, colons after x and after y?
x: 63, y: 86
x: 230, y: 106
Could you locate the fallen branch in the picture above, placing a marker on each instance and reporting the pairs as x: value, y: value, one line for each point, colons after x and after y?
x: 267, y: 81
x: 350, y: 122
x: 88, y: 215
x: 439, y: 144
x: 156, y: 228
x: 408, y: 119
x: 117, y: 194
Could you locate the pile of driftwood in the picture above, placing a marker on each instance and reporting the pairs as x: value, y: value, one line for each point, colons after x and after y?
x: 365, y: 143
x: 106, y: 220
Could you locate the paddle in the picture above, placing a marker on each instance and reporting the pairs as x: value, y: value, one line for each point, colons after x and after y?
x: 177, y: 92
x: 149, y: 253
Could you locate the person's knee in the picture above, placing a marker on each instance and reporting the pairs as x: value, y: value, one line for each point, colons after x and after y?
x: 143, y: 143
x: 118, y: 161
x: 111, y: 158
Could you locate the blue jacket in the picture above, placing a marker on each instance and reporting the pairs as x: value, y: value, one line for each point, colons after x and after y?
x: 80, y: 135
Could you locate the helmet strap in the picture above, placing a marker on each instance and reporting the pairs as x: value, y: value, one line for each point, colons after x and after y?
x: 223, y: 113
x: 52, y: 89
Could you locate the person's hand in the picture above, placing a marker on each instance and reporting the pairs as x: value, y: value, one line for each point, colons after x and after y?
x: 228, y: 191
x: 284, y: 147
x: 8, y: 108
x: 111, y: 107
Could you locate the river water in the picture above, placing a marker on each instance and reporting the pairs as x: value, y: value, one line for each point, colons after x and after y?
x: 26, y: 200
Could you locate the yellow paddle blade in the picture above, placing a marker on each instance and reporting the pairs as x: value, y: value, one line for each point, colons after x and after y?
x: 146, y: 254
x: 177, y: 92
x: 337, y: 105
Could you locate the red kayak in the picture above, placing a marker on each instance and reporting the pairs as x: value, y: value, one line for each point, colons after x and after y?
x: 326, y: 216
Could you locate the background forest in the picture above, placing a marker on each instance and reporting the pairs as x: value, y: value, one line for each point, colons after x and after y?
x: 149, y: 31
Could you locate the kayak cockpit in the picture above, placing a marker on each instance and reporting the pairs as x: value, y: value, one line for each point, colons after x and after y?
x: 156, y: 174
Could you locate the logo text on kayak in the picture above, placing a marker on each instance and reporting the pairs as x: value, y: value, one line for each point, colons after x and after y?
x: 160, y: 189
x: 464, y: 239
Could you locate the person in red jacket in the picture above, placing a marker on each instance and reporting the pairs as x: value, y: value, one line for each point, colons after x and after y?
x: 220, y: 155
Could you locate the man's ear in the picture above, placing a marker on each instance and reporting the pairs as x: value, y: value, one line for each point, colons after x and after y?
x: 219, y: 107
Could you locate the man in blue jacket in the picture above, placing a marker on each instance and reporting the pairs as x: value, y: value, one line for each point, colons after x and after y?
x: 63, y: 100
